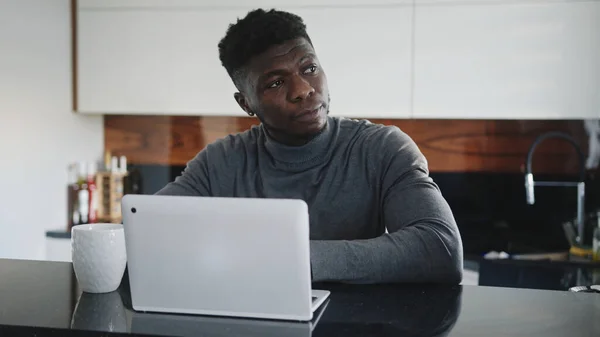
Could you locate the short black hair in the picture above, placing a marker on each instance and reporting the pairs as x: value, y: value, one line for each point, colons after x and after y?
x: 256, y: 33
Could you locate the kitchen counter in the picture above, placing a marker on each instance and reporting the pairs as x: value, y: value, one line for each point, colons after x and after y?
x: 41, y: 298
x: 535, y: 272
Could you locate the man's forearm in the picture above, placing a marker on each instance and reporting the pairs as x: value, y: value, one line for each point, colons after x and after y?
x: 429, y: 252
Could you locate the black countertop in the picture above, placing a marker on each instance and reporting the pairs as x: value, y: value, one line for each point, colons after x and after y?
x: 535, y: 274
x: 40, y: 298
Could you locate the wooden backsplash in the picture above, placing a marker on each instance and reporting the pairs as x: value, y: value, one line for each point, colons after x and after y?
x: 449, y: 145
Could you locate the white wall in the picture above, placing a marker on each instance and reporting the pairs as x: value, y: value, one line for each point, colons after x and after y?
x: 39, y: 133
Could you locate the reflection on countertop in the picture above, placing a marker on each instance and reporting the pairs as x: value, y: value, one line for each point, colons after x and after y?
x: 549, y: 274
x: 44, y: 301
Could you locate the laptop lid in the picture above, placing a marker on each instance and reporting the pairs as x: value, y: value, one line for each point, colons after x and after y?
x: 218, y: 256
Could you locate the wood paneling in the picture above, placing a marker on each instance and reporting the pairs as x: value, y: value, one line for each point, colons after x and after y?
x: 449, y: 145
x: 166, y: 140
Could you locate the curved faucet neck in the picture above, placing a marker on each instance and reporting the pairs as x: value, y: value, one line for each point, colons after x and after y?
x: 556, y: 134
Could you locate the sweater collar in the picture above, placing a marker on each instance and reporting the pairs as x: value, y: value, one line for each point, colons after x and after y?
x: 304, y: 153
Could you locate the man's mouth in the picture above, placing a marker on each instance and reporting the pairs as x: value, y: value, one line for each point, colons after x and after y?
x: 308, y: 115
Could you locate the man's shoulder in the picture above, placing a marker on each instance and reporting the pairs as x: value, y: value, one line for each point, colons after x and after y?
x: 372, y: 133
x: 382, y: 143
x: 236, y: 141
x: 230, y: 148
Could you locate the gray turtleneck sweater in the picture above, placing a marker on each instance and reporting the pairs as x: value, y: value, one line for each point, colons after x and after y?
x: 375, y: 214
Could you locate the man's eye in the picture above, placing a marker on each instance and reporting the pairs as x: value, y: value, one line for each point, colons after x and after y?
x: 275, y: 84
x: 311, y: 69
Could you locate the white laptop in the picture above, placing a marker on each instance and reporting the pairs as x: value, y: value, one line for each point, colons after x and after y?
x: 237, y: 257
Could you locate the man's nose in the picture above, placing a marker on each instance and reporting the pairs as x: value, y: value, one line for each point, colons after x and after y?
x: 300, y: 89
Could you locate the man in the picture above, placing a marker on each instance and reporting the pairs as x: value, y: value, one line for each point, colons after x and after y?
x: 375, y: 214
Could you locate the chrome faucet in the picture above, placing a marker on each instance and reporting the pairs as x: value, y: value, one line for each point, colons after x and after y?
x: 530, y: 183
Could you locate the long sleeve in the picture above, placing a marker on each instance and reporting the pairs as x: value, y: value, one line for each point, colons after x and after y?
x: 422, y: 243
x: 193, y: 181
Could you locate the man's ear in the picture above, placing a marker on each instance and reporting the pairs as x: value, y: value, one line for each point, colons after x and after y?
x: 241, y: 101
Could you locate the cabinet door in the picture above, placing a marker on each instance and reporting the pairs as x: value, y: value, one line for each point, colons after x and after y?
x: 153, y: 62
x: 455, y: 2
x: 248, y: 4
x: 366, y: 55
x: 508, y: 61
x: 166, y: 61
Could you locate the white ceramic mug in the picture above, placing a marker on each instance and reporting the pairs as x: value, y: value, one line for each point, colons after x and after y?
x: 99, y: 256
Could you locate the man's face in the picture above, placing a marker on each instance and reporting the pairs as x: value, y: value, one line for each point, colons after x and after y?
x: 287, y: 89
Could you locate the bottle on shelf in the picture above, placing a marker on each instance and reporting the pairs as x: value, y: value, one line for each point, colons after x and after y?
x: 72, y: 196
x: 114, y: 165
x: 107, y: 161
x: 83, y: 194
x: 123, y: 164
x: 93, y: 193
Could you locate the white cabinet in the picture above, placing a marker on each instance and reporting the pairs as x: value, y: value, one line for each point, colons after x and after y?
x: 153, y: 62
x: 266, y: 4
x: 475, y: 59
x: 479, y: 2
x: 536, y: 60
x: 469, y: 2
x: 165, y: 61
